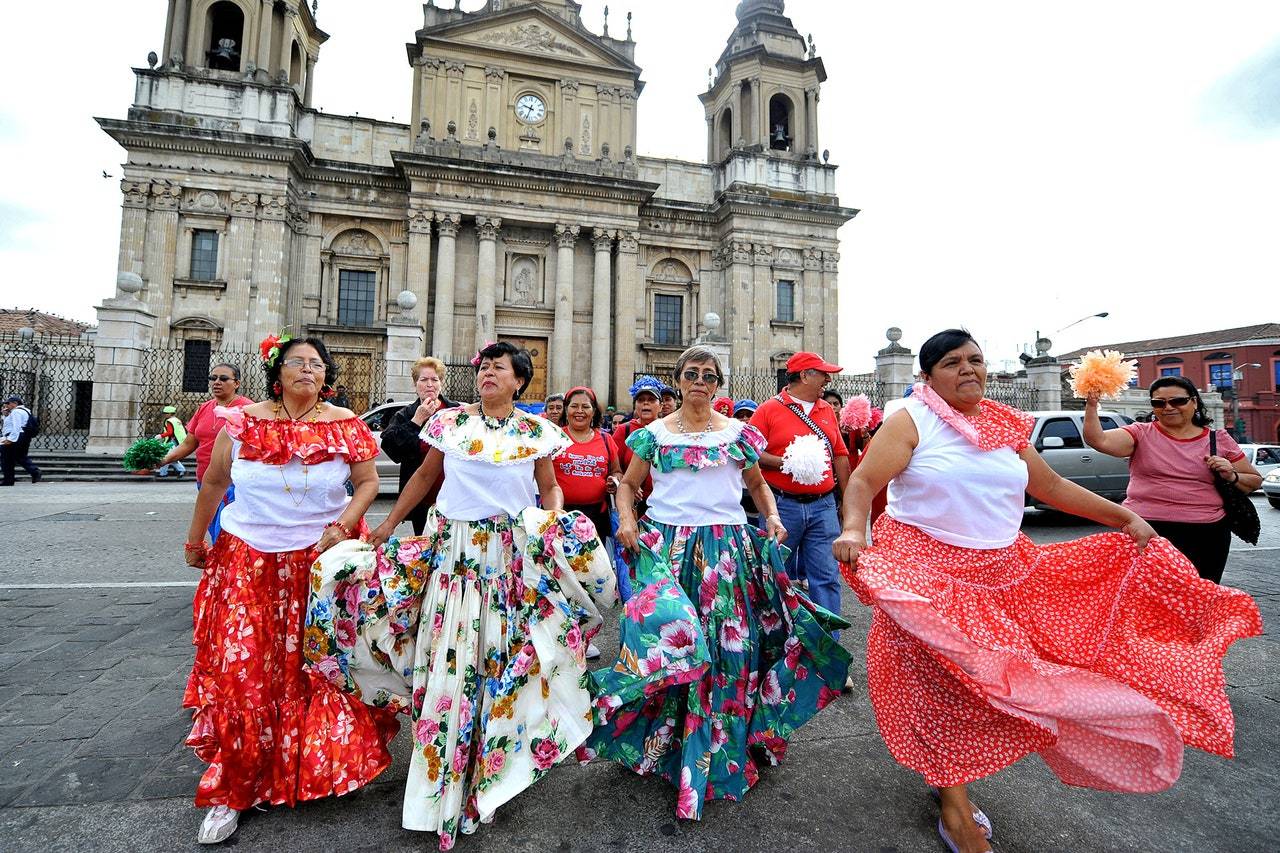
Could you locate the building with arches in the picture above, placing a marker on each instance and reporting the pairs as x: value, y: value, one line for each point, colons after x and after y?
x: 513, y: 206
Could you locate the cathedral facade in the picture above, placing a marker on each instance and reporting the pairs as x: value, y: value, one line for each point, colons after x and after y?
x: 514, y: 206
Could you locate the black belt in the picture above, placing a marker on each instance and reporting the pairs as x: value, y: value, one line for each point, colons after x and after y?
x: 800, y: 499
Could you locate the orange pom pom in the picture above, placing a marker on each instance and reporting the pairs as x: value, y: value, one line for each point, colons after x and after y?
x: 1104, y: 373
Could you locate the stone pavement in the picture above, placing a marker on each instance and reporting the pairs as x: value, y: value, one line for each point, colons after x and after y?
x: 95, y: 645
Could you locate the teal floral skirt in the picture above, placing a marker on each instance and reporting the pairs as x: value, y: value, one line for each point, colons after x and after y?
x: 722, y: 659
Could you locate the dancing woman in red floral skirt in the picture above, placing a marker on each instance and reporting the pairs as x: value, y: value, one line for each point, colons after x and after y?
x: 1103, y: 655
x: 270, y: 732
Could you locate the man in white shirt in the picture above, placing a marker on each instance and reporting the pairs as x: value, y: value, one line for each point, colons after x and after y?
x: 15, y: 441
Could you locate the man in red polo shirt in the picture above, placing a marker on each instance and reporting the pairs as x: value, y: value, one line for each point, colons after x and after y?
x: 807, y: 509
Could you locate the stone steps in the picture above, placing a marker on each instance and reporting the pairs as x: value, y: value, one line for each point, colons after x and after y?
x: 81, y: 467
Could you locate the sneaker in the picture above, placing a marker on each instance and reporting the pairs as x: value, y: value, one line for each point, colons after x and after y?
x: 36, y: 477
x: 220, y: 823
x: 592, y: 652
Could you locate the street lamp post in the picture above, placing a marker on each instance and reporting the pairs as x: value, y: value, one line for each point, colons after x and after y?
x: 1081, y: 320
x: 1237, y: 376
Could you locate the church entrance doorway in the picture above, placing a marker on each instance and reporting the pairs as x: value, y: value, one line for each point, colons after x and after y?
x: 537, y: 348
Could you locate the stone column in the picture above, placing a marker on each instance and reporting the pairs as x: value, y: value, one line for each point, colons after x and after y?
x: 404, y: 347
x: 161, y: 252
x: 418, y: 274
x: 893, y: 367
x: 764, y: 300
x: 239, y: 257
x: 1045, y: 375
x: 263, y: 54
x: 442, y: 326
x: 124, y: 335
x: 630, y: 294
x: 285, y: 37
x: 739, y: 302
x: 133, y: 226
x: 270, y: 271
x: 813, y: 305
x: 830, y: 320
x: 177, y: 46
x: 309, y: 88
x: 601, y: 312
x: 487, y: 228
x: 562, y: 331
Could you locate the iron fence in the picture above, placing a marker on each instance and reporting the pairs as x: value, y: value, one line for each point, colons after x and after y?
x: 1019, y: 396
x: 53, y: 374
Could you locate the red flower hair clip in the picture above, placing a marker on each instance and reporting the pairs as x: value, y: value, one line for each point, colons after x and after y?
x: 475, y: 361
x: 269, y: 349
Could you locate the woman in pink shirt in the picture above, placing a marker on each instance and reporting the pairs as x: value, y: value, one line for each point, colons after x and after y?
x: 1171, y: 471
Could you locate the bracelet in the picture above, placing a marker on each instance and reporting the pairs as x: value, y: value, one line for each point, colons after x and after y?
x: 775, y: 515
x: 195, y: 547
x: 346, y: 531
x: 1237, y: 479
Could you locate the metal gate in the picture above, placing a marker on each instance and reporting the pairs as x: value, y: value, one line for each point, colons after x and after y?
x: 760, y: 385
x: 53, y: 374
x: 179, y: 377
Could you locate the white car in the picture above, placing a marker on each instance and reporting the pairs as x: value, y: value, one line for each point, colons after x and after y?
x: 1271, y: 488
x: 388, y: 469
x: 1264, y: 457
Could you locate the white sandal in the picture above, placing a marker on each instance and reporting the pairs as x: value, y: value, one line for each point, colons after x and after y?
x: 220, y: 823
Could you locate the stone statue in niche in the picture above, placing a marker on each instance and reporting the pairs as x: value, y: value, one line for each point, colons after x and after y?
x: 525, y: 289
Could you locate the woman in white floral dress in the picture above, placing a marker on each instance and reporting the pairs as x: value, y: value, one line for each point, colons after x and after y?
x: 479, y: 628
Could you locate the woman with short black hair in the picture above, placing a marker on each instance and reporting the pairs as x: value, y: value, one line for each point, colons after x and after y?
x: 1172, y: 468
x: 479, y: 629
x: 1102, y: 655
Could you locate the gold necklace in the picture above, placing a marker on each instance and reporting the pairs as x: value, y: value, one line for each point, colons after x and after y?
x: 680, y: 421
x: 306, y: 469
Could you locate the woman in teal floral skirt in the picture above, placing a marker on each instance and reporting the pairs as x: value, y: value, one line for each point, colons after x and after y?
x: 722, y: 658
x: 479, y: 628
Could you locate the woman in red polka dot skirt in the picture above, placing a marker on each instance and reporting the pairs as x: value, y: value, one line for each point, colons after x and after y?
x: 1103, y: 655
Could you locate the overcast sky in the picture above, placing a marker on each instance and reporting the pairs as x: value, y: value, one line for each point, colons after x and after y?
x: 1019, y: 165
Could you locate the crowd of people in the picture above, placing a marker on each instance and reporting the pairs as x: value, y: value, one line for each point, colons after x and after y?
x: 724, y: 528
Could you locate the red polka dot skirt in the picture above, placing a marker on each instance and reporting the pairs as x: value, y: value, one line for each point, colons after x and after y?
x: 1104, y: 661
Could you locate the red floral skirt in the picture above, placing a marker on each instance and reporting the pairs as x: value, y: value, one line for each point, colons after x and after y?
x: 1104, y: 661
x: 269, y: 731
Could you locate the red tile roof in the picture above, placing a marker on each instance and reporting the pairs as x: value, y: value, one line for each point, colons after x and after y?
x: 13, y: 319
x: 1200, y: 340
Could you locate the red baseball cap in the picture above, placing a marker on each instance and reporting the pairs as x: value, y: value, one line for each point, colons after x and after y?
x: 810, y: 361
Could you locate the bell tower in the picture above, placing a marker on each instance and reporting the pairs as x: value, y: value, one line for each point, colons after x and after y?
x: 265, y: 41
x: 763, y: 91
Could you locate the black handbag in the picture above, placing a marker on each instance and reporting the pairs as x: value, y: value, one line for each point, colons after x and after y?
x: 1242, y: 515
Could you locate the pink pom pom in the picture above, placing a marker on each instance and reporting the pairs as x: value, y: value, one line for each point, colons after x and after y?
x: 856, y: 413
x: 877, y: 417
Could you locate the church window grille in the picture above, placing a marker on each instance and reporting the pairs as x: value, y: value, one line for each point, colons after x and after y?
x: 204, y: 255
x: 357, y: 297
x: 195, y: 365
x: 786, y: 312
x: 668, y: 319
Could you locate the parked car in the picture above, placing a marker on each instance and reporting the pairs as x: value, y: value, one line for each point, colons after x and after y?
x: 388, y: 470
x: 1264, y: 457
x: 1271, y: 488
x: 1059, y: 438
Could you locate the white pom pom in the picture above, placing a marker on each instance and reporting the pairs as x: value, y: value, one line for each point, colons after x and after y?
x: 805, y: 460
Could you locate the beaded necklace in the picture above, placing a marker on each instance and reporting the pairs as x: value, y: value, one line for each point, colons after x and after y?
x: 306, y: 471
x: 711, y: 417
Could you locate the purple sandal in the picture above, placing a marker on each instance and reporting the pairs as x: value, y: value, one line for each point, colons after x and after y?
x: 946, y: 838
x: 979, y: 816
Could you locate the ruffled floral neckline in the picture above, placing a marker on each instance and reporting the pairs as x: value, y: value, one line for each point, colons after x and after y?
x: 996, y: 425
x: 520, y: 438
x: 277, y: 442
x: 738, y: 443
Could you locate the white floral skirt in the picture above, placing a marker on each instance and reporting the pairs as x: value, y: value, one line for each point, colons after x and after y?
x: 478, y: 630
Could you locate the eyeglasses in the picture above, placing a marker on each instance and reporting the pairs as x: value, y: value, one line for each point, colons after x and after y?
x: 708, y: 378
x: 219, y: 378
x: 1176, y: 402
x: 315, y: 364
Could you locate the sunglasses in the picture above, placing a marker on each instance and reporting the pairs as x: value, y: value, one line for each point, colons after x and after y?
x: 708, y: 377
x: 1176, y: 402
x: 217, y: 377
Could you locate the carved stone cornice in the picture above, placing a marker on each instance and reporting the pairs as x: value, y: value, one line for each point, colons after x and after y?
x: 487, y: 227
x: 603, y: 91
x: 494, y: 74
x: 420, y: 221
x: 628, y: 96
x: 567, y: 236
x: 135, y: 193
x: 297, y: 217
x: 165, y: 198
x: 812, y: 258
x: 243, y: 204
x: 569, y: 86
x: 629, y: 242
x: 273, y: 207
x: 736, y: 252
x: 602, y: 239
x: 830, y: 261
x: 762, y: 254
x: 453, y: 68
x: 448, y: 224
x: 432, y: 63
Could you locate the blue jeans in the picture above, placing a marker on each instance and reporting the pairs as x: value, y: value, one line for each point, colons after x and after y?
x: 621, y: 569
x: 163, y: 471
x: 811, y: 528
x: 215, y: 526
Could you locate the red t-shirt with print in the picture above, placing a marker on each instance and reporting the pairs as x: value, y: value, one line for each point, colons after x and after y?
x: 581, y: 469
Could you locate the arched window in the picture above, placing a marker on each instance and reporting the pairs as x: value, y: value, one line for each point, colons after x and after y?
x: 225, y: 26
x: 781, y: 133
x: 726, y: 132
x: 295, y: 65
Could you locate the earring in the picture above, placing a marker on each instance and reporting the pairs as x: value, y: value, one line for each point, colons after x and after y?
x: 276, y: 388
